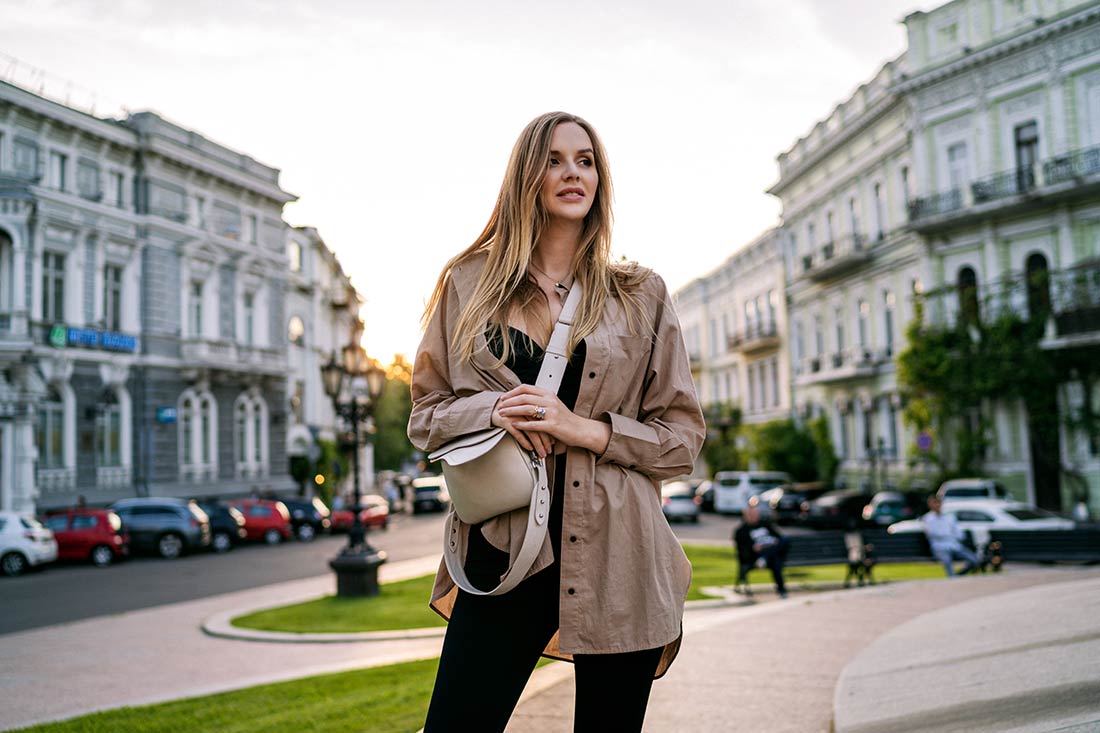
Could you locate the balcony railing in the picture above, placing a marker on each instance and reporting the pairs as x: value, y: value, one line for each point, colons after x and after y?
x: 758, y: 337
x: 852, y: 363
x: 230, y: 355
x: 936, y: 204
x: 1071, y: 166
x: 1002, y: 185
x: 112, y: 477
x: 839, y: 256
x: 56, y: 479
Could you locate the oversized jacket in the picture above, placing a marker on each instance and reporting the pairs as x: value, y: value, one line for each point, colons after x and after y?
x: 624, y: 576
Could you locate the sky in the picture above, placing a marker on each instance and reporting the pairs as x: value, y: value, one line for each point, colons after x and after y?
x: 393, y: 121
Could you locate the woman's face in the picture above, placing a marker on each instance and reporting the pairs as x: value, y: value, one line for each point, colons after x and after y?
x: 570, y: 182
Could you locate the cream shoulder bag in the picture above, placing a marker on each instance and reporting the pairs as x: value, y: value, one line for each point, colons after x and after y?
x: 488, y: 474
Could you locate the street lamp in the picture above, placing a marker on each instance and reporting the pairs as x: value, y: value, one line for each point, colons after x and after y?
x: 357, y: 564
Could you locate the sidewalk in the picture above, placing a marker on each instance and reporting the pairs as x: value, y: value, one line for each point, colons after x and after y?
x: 773, y: 665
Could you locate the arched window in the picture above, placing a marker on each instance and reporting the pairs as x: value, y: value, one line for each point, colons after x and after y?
x: 198, y: 437
x: 109, y: 431
x: 51, y: 431
x: 1038, y: 287
x: 250, y: 435
x: 969, y: 311
x: 5, y: 277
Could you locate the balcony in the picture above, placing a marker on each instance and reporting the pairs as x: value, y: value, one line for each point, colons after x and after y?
x: 841, y: 366
x: 230, y: 356
x: 1068, y: 177
x: 112, y: 477
x: 838, y: 257
x: 754, y: 339
x: 56, y: 479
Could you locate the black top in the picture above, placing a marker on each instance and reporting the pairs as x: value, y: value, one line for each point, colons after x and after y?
x: 747, y: 535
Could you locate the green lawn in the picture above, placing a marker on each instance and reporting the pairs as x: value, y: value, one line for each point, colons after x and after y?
x: 391, y: 699
x: 400, y: 605
x: 717, y: 565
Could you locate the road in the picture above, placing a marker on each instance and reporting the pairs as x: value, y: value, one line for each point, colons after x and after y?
x: 70, y: 592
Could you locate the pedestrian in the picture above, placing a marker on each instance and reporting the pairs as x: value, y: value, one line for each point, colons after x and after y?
x: 81, y: 502
x: 945, y: 538
x: 608, y: 587
x: 756, y: 539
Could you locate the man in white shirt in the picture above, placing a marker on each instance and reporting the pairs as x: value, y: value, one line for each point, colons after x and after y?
x: 945, y: 538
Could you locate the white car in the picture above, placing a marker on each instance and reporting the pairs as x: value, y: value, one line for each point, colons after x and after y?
x: 679, y: 501
x: 733, y: 489
x: 981, y: 515
x: 24, y: 542
x: 965, y: 489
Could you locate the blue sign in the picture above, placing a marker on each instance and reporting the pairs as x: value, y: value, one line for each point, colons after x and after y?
x: 166, y: 414
x: 92, y: 338
x: 924, y: 441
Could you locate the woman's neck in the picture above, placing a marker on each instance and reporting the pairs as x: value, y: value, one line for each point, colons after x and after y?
x: 556, y: 248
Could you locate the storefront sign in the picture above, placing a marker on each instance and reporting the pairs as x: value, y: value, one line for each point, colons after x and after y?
x: 166, y: 414
x: 91, y: 338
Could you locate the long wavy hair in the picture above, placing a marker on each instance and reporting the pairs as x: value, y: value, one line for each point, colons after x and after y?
x: 509, y: 239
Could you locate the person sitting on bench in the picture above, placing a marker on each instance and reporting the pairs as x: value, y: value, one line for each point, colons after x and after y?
x: 755, y: 540
x: 945, y: 538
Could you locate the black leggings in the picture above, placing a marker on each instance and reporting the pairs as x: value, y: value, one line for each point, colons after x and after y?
x: 493, y: 643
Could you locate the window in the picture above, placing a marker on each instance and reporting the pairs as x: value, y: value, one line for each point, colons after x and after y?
x: 819, y: 335
x: 200, y: 212
x: 957, y: 166
x: 58, y: 164
x: 50, y: 429
x: 829, y: 227
x: 252, y: 233
x: 109, y: 432
x: 294, y: 254
x: 969, y: 311
x: 892, y: 428
x: 838, y: 318
x: 752, y: 388
x: 24, y: 156
x: 197, y: 438
x: 296, y: 331
x: 1027, y: 152
x: 250, y: 318
x: 880, y: 222
x: 87, y: 180
x: 842, y: 433
x: 905, y: 183
x: 863, y: 313
x: 775, y: 382
x: 948, y: 34
x: 799, y: 345
x: 1038, y: 287
x: 773, y: 304
x: 250, y: 435
x: 714, y: 337
x: 120, y: 189
x: 53, y: 286
x: 194, y: 310
x: 888, y: 320
x: 112, y: 298
x: 853, y: 218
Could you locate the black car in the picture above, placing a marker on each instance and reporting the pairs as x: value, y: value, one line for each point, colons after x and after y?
x: 308, y: 517
x: 784, y: 503
x: 888, y: 507
x: 839, y: 509
x: 168, y: 527
x: 430, y: 494
x: 226, y: 524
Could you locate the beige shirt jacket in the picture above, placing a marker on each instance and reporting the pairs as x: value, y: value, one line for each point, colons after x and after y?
x: 624, y: 576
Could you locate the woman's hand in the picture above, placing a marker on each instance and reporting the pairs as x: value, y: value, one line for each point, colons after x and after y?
x: 558, y: 423
x: 539, y: 443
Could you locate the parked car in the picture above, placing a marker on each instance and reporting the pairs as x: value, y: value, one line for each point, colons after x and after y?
x: 888, y: 507
x: 783, y: 504
x: 88, y: 534
x: 169, y: 527
x: 24, y: 543
x: 679, y: 502
x: 430, y: 494
x: 704, y: 489
x: 308, y: 517
x: 265, y: 519
x: 226, y: 524
x: 964, y: 489
x: 375, y: 513
x: 982, y: 515
x: 837, y: 509
x: 733, y: 489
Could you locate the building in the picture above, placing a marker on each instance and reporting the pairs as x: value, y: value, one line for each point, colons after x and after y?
x: 1004, y: 101
x: 852, y: 266
x: 144, y: 291
x: 322, y: 317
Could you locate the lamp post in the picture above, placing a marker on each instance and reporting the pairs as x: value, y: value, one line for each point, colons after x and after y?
x: 357, y: 564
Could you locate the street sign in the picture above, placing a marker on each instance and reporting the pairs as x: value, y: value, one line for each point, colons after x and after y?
x: 166, y: 414
x: 924, y: 441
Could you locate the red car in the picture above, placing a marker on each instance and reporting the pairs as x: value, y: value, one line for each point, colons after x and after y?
x: 89, y: 534
x: 375, y: 514
x: 264, y: 520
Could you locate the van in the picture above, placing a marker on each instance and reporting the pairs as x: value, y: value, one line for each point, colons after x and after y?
x: 733, y: 489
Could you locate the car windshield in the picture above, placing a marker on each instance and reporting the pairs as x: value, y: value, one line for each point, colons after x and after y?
x: 426, y: 489
x: 1030, y: 515
x: 960, y: 492
x: 768, y: 482
x: 30, y: 522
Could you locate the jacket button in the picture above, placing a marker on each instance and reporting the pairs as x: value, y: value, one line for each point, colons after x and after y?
x: 573, y: 538
x: 592, y: 375
x: 576, y: 483
x: 571, y: 591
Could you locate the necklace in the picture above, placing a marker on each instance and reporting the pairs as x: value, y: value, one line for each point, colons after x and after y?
x: 558, y: 287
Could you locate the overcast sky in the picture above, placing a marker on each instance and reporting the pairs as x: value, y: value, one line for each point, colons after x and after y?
x: 393, y: 120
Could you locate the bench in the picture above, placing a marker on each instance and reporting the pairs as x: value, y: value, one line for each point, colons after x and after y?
x: 881, y: 546
x: 822, y: 548
x: 1048, y: 545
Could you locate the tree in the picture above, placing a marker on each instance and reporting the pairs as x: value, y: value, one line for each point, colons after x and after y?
x: 781, y: 445
x: 720, y: 449
x: 827, y: 462
x: 391, y: 417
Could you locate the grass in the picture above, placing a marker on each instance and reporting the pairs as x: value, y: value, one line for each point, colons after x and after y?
x: 400, y: 605
x: 390, y: 699
x: 717, y: 565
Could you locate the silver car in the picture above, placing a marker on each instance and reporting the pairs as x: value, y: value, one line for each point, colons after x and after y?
x: 166, y: 526
x: 679, y: 502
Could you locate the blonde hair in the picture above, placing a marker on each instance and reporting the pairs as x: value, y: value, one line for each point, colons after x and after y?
x: 509, y: 239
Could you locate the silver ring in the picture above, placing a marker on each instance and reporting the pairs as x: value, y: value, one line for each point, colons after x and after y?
x: 540, y: 413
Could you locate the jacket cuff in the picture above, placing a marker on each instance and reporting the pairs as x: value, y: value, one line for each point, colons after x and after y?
x: 476, y: 413
x: 632, y: 443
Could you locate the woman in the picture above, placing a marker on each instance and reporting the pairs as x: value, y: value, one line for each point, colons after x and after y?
x: 608, y: 587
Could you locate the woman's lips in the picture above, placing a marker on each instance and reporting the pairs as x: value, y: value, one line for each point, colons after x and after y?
x: 571, y: 194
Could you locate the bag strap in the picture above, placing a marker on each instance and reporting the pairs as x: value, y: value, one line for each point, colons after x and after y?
x: 454, y: 541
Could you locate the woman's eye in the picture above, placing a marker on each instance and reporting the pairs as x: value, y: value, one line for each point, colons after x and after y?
x: 586, y: 161
x: 553, y: 161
